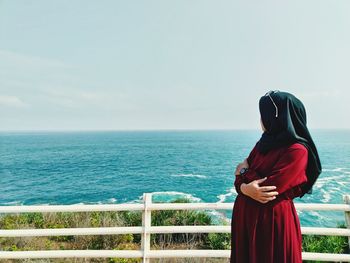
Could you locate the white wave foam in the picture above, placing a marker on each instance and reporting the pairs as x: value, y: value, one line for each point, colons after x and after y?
x: 189, y: 175
x: 169, y: 193
x: 332, y: 181
x: 112, y: 200
x: 216, y: 214
x: 82, y: 203
x: 219, y: 215
x: 338, y: 169
x: 326, y: 196
x: 105, y: 202
x: 342, y: 183
x: 223, y: 197
x: 13, y: 203
x: 314, y: 213
x: 175, y: 193
x: 328, y: 178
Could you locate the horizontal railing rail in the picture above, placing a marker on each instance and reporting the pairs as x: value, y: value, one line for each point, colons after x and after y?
x: 146, y: 230
x: 155, y: 206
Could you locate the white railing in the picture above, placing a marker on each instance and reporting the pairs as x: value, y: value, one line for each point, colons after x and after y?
x: 146, y: 230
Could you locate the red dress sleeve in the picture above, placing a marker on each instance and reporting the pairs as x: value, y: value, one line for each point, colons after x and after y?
x: 238, y: 181
x: 289, y: 171
x: 241, y: 178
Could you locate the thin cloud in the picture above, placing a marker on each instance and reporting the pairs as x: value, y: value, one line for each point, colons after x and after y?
x: 77, y: 98
x: 11, y: 101
x: 28, y: 61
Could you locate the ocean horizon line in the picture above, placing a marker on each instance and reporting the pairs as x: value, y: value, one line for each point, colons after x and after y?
x: 152, y: 130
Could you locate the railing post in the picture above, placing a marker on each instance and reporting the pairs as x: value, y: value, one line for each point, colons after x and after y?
x: 146, y: 223
x: 347, y: 214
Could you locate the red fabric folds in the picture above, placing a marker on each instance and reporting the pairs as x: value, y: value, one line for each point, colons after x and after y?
x: 270, y: 233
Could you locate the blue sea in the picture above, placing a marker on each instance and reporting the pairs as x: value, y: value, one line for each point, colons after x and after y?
x: 119, y: 166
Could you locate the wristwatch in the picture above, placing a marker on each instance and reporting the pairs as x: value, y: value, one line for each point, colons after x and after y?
x: 243, y: 171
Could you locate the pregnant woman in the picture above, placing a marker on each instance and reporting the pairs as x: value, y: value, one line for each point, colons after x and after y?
x: 283, y: 165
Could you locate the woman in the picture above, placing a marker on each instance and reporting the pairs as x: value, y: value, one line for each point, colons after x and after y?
x: 283, y: 165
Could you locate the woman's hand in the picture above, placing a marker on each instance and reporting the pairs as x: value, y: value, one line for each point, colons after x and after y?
x: 261, y: 194
x: 241, y: 165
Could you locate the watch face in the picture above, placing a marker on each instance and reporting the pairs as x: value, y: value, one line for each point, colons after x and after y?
x: 243, y: 170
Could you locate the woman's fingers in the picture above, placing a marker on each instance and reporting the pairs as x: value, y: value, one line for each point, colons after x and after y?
x: 269, y: 194
x: 262, y: 194
x: 267, y: 188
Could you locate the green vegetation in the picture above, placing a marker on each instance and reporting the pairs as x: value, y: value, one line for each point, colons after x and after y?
x: 323, y: 244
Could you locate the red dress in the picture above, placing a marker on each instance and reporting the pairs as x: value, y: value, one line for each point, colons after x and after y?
x: 270, y: 233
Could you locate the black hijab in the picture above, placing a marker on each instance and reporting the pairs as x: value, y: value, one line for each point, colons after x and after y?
x: 284, y: 118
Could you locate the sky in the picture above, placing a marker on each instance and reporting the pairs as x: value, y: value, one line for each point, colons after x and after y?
x: 149, y: 65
